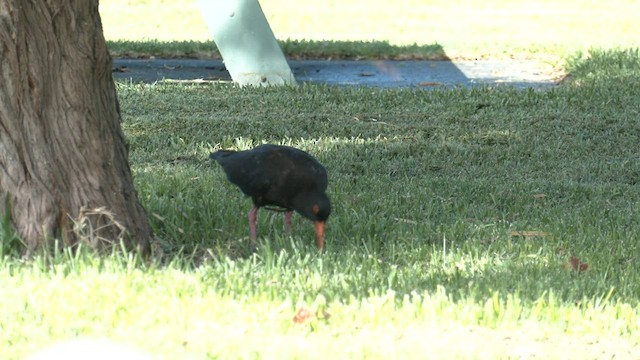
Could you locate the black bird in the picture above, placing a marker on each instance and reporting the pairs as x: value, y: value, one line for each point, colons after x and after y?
x: 280, y: 176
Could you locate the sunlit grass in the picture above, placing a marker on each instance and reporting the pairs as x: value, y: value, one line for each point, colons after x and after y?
x: 181, y: 311
x: 496, y: 28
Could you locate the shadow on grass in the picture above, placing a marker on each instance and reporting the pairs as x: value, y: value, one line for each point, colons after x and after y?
x: 413, y: 174
x: 293, y: 49
x: 375, y: 63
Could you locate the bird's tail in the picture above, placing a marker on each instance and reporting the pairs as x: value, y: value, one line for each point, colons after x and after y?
x: 220, y: 154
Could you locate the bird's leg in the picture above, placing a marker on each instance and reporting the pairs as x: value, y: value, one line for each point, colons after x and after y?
x: 253, y: 216
x: 320, y: 234
x: 287, y: 221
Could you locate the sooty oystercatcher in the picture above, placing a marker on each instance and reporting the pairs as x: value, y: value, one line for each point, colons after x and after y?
x: 279, y: 176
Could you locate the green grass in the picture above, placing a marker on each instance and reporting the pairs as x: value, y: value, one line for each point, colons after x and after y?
x: 294, y: 49
x: 473, y: 29
x: 164, y: 49
x: 599, y: 65
x: 181, y: 311
x: 428, y: 187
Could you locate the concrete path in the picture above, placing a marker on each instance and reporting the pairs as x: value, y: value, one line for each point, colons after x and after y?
x: 388, y: 73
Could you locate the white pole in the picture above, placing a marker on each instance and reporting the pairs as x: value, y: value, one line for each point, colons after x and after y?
x: 248, y: 47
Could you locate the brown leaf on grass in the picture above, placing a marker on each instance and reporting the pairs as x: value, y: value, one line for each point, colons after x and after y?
x: 323, y: 314
x: 583, y: 267
x: 303, y: 315
x: 539, y: 196
x: 528, y: 234
x: 429, y: 83
x: 575, y: 265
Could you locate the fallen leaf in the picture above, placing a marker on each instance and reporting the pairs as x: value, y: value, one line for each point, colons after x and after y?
x: 575, y: 265
x: 539, y: 196
x: 303, y: 315
x: 583, y: 267
x: 574, y: 262
x: 527, y: 234
x: 323, y: 314
x: 429, y: 83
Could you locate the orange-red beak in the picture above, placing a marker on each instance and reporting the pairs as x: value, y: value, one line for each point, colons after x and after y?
x: 320, y: 234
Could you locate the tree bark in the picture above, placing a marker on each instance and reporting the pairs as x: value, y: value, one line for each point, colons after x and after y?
x: 63, y: 157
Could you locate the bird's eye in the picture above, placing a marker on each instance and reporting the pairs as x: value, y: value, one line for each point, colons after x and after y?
x: 315, y: 209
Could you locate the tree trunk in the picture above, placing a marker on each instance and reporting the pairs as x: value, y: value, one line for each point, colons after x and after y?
x: 63, y: 157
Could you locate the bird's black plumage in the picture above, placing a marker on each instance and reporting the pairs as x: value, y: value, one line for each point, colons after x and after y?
x: 280, y: 176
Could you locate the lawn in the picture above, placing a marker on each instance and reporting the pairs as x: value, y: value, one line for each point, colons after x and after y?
x: 470, y: 223
x: 475, y: 223
x: 548, y: 30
